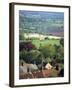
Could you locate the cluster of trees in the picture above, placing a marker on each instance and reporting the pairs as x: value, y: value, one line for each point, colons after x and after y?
x: 26, y: 46
x: 30, y: 54
x: 51, y: 51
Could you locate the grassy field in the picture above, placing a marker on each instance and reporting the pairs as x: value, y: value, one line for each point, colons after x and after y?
x: 37, y: 42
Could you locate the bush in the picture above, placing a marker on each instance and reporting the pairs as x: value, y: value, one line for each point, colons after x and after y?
x: 23, y: 55
x: 48, y: 60
x: 48, y: 50
x: 36, y: 56
x: 26, y: 46
x: 21, y: 37
x: 59, y: 53
x: 62, y: 41
x: 33, y: 38
x: 46, y: 38
x: 32, y: 56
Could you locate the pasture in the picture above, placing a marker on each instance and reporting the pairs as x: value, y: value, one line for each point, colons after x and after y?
x: 39, y: 43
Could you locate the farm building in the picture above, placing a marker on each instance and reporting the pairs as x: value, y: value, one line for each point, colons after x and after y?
x: 48, y: 66
x: 27, y: 68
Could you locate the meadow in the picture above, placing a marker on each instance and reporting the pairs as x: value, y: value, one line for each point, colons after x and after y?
x: 39, y: 43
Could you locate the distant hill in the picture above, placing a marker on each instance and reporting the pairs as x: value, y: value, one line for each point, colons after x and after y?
x: 41, y: 22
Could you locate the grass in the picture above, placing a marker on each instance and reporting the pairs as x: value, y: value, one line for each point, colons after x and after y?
x: 61, y: 65
x: 54, y: 73
x: 39, y: 43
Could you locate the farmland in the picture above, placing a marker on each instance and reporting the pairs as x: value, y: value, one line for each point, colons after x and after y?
x: 39, y: 43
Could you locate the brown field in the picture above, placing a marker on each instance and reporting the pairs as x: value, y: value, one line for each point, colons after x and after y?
x: 39, y: 74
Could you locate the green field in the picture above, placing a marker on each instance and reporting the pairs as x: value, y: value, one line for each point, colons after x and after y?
x: 39, y: 43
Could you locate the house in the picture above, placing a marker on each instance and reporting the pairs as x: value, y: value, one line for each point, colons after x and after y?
x: 27, y: 68
x: 48, y: 66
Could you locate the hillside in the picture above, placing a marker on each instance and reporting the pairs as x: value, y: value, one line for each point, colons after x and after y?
x: 41, y: 22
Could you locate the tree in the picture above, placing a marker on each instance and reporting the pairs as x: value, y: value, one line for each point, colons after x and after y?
x: 62, y: 41
x: 36, y: 56
x: 26, y: 46
x: 21, y: 37
x: 48, y: 50
x: 60, y: 54
x: 23, y: 55
x: 32, y: 56
x: 48, y: 60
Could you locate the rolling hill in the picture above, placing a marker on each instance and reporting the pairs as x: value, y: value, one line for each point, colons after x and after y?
x: 41, y: 22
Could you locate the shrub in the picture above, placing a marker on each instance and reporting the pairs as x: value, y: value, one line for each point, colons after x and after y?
x: 46, y: 38
x: 26, y: 46
x: 23, y: 55
x: 21, y: 37
x: 59, y: 53
x: 48, y: 60
x: 62, y: 41
x: 48, y: 50
x: 32, y: 56
x: 36, y: 56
